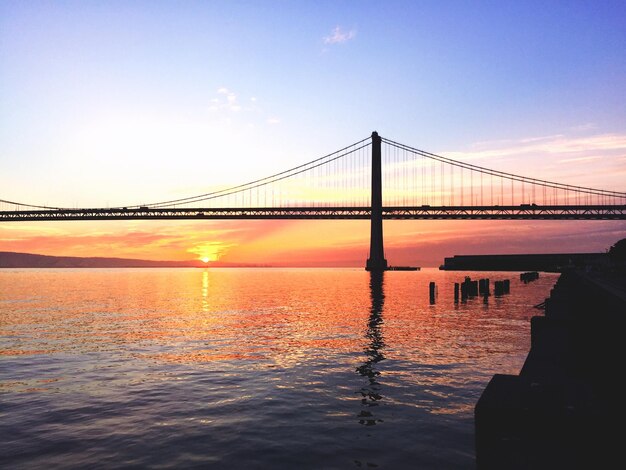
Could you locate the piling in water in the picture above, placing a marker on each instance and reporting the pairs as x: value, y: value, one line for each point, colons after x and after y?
x: 501, y: 287
x: 529, y: 276
x: 432, y: 290
x: 498, y: 288
x: 456, y: 292
x: 483, y: 287
x: 470, y: 287
x: 474, y: 288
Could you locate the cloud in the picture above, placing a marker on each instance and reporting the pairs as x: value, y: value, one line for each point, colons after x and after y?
x: 595, y: 160
x: 338, y: 36
x: 588, y: 126
x: 555, y: 144
x: 226, y: 104
x: 579, y: 159
x: 225, y: 101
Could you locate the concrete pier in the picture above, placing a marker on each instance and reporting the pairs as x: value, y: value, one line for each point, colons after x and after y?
x: 565, y: 407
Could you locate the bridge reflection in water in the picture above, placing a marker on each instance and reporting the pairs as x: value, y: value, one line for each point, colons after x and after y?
x: 374, y: 352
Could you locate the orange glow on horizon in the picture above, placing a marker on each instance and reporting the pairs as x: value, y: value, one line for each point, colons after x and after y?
x: 307, y: 243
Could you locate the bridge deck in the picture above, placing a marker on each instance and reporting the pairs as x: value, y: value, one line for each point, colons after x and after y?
x: 521, y: 212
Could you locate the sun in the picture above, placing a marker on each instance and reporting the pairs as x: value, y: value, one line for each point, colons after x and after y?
x: 209, y: 252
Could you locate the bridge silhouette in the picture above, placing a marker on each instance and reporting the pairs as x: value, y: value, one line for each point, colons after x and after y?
x: 374, y: 178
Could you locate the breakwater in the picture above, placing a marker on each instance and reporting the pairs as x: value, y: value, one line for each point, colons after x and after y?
x: 564, y: 407
x: 527, y: 262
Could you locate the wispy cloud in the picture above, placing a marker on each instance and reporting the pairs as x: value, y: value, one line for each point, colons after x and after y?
x: 593, y: 160
x: 588, y: 126
x: 339, y: 36
x: 554, y: 144
x: 225, y: 100
x: 227, y: 104
x: 579, y: 159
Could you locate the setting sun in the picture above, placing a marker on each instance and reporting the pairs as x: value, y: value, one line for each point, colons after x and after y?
x: 210, y: 251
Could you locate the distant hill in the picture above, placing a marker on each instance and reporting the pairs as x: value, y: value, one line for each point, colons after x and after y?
x: 27, y: 260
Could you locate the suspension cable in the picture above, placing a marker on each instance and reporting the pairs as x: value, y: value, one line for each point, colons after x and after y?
x: 503, y: 174
x: 266, y: 180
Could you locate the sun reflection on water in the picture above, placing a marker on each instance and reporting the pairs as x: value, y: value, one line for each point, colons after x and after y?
x: 205, y: 291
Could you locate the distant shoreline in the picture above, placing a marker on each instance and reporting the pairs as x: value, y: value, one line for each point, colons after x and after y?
x: 9, y: 259
x: 29, y: 260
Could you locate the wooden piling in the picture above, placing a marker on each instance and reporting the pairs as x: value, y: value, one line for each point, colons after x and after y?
x: 529, y: 276
x: 483, y: 287
x: 474, y: 288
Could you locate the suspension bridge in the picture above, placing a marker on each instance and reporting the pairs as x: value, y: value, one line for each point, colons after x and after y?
x: 374, y: 178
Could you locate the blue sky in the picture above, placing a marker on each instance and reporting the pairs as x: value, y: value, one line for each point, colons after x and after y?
x: 437, y: 75
x: 168, y: 99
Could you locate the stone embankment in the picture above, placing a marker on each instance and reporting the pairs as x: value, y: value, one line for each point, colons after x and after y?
x: 566, y: 408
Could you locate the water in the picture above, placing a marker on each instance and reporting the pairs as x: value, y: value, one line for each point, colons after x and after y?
x: 249, y: 368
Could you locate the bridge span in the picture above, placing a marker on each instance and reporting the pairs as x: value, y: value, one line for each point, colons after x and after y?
x: 521, y: 212
x: 373, y: 179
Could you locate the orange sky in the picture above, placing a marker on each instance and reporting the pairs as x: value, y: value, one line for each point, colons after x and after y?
x: 306, y: 242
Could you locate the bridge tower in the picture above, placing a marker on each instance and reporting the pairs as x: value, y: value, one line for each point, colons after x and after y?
x: 376, y: 261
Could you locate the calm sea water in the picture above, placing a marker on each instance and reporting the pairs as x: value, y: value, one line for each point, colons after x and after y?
x: 249, y: 368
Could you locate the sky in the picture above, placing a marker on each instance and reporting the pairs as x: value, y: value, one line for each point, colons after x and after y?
x: 106, y: 104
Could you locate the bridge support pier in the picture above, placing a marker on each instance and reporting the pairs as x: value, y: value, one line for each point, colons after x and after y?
x: 376, y: 260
